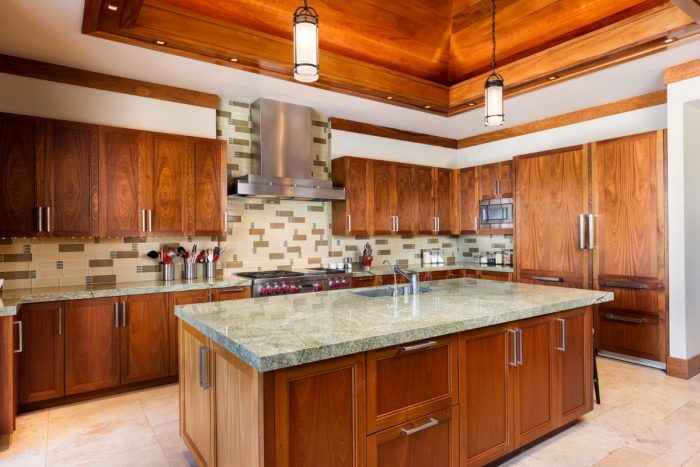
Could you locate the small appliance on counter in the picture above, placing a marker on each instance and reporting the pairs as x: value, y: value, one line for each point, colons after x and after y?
x: 367, y: 257
x: 432, y: 256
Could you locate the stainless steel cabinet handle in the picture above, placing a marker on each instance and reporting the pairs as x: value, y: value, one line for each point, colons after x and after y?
x: 233, y: 290
x: 349, y: 222
x: 514, y: 333
x: 143, y: 220
x: 123, y: 314
x: 520, y: 346
x: 203, y: 376
x: 547, y: 279
x: 225, y: 221
x: 60, y: 320
x: 563, y: 334
x: 582, y: 231
x: 495, y: 187
x: 48, y: 218
x: 116, y: 314
x: 39, y: 220
x: 498, y: 185
x: 591, y: 232
x: 422, y: 345
x: 397, y: 223
x: 150, y: 220
x: 20, y: 349
x: 623, y: 285
x: 625, y: 319
x: 476, y: 222
x: 438, y: 224
x: 425, y: 426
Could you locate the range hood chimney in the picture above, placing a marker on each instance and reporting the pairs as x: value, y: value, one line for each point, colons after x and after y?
x: 282, y: 160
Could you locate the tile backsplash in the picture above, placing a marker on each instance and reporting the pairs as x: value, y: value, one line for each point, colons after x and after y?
x: 261, y: 233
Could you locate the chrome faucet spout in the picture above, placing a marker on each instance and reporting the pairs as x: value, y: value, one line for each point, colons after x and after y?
x: 386, y: 261
x: 412, y: 278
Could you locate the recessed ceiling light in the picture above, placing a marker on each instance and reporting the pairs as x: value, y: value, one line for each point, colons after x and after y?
x: 552, y: 78
x: 112, y: 7
x: 427, y: 106
x: 668, y: 40
x: 160, y: 42
x: 471, y: 104
x: 234, y: 60
x: 389, y: 97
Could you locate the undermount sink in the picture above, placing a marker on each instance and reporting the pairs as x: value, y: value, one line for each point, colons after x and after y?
x: 389, y: 291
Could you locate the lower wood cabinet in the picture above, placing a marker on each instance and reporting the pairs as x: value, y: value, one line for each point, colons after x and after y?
x: 369, y: 281
x: 496, y: 276
x: 432, y: 441
x: 176, y: 299
x: 144, y: 338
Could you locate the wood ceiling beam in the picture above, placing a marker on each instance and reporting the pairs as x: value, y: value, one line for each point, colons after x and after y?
x: 690, y: 7
x: 90, y: 79
x: 683, y: 71
x: 342, y: 124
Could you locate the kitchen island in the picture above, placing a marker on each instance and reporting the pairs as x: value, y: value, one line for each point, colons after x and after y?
x: 460, y: 375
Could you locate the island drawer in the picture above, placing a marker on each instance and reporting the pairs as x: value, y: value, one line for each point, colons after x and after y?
x: 410, y: 381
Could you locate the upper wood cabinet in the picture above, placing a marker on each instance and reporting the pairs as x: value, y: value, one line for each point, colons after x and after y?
x: 468, y: 201
x: 446, y: 182
x: 18, y: 162
x: 352, y: 215
x: 393, y: 208
x: 122, y: 156
x: 496, y: 180
x: 208, y: 179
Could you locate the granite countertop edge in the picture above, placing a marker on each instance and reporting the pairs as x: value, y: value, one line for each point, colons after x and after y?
x: 314, y: 354
x: 383, y: 270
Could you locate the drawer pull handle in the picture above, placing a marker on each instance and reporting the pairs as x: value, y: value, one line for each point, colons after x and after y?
x: 203, y: 370
x: 624, y: 285
x: 430, y: 423
x: 232, y: 290
x: 547, y: 279
x: 625, y: 319
x: 423, y: 345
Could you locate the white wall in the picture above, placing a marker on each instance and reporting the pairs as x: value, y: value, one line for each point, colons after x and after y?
x: 691, y: 169
x: 39, y: 98
x: 344, y: 143
x: 629, y: 123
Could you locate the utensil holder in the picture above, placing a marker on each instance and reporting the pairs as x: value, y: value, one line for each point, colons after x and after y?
x: 189, y: 271
x: 167, y: 272
x: 209, y: 270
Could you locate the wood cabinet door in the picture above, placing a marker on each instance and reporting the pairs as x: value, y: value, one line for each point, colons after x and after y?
x: 71, y: 179
x: 121, y: 152
x: 18, y: 159
x: 370, y: 281
x: 319, y: 414
x: 92, y: 344
x: 423, y: 185
x: 573, y: 338
x: 488, y: 181
x: 8, y: 385
x: 166, y: 183
x: 486, y: 395
x: 196, y: 396
x: 432, y: 441
x: 505, y: 179
x: 551, y: 196
x: 629, y: 199
x: 208, y: 178
x: 351, y: 216
x: 144, y: 338
x: 405, y: 199
x: 176, y: 299
x: 42, y: 357
x: 383, y: 197
x: 444, y: 193
x: 534, y: 388
x: 468, y: 201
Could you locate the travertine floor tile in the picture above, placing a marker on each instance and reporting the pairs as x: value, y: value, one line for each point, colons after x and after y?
x: 625, y: 456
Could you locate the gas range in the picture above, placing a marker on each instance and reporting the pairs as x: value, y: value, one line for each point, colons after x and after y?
x: 267, y: 283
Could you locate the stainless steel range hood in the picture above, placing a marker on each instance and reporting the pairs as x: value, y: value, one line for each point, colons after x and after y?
x: 282, y: 160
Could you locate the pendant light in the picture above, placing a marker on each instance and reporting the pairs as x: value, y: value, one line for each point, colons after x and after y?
x: 305, y: 44
x: 493, y: 88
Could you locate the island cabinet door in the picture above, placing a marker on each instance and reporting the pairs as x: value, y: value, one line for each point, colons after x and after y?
x: 196, y: 396
x: 144, y: 337
x: 573, y: 340
x: 319, y: 413
x: 534, y: 396
x: 427, y: 441
x: 487, y: 364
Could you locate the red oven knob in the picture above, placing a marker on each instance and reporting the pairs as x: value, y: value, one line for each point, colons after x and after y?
x: 333, y: 284
x: 262, y: 291
x: 285, y: 288
x: 294, y: 289
x: 318, y: 287
x: 278, y: 289
x: 344, y: 283
x: 270, y: 290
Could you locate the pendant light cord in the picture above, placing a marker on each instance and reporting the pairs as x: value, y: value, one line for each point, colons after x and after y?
x: 493, y: 34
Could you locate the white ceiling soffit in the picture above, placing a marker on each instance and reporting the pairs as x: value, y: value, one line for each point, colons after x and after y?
x: 49, y: 30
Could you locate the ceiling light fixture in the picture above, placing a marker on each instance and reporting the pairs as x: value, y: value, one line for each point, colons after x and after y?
x: 234, y: 60
x: 668, y: 40
x: 552, y: 78
x: 493, y: 88
x: 389, y: 97
x: 112, y: 7
x: 305, y: 44
x: 160, y: 42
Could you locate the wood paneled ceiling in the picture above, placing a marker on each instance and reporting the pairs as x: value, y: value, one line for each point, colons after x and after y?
x: 431, y: 55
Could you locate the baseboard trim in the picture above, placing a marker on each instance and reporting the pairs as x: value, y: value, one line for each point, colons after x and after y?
x: 681, y: 368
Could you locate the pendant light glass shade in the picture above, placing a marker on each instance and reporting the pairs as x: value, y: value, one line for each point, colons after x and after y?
x: 305, y: 44
x: 493, y: 100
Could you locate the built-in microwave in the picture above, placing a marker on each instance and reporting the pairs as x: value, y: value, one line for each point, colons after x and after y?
x: 496, y: 213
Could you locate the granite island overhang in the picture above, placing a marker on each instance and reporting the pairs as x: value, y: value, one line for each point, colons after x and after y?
x: 345, y: 379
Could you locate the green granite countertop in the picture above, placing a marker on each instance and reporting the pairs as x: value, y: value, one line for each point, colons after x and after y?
x: 10, y: 299
x: 383, y: 270
x: 270, y: 333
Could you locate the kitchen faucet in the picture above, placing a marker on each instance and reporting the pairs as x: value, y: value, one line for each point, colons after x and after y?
x: 414, y: 288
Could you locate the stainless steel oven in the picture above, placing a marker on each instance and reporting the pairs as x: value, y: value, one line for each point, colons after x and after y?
x: 496, y: 213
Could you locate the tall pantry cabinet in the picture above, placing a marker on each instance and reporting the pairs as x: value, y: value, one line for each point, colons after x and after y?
x: 594, y: 216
